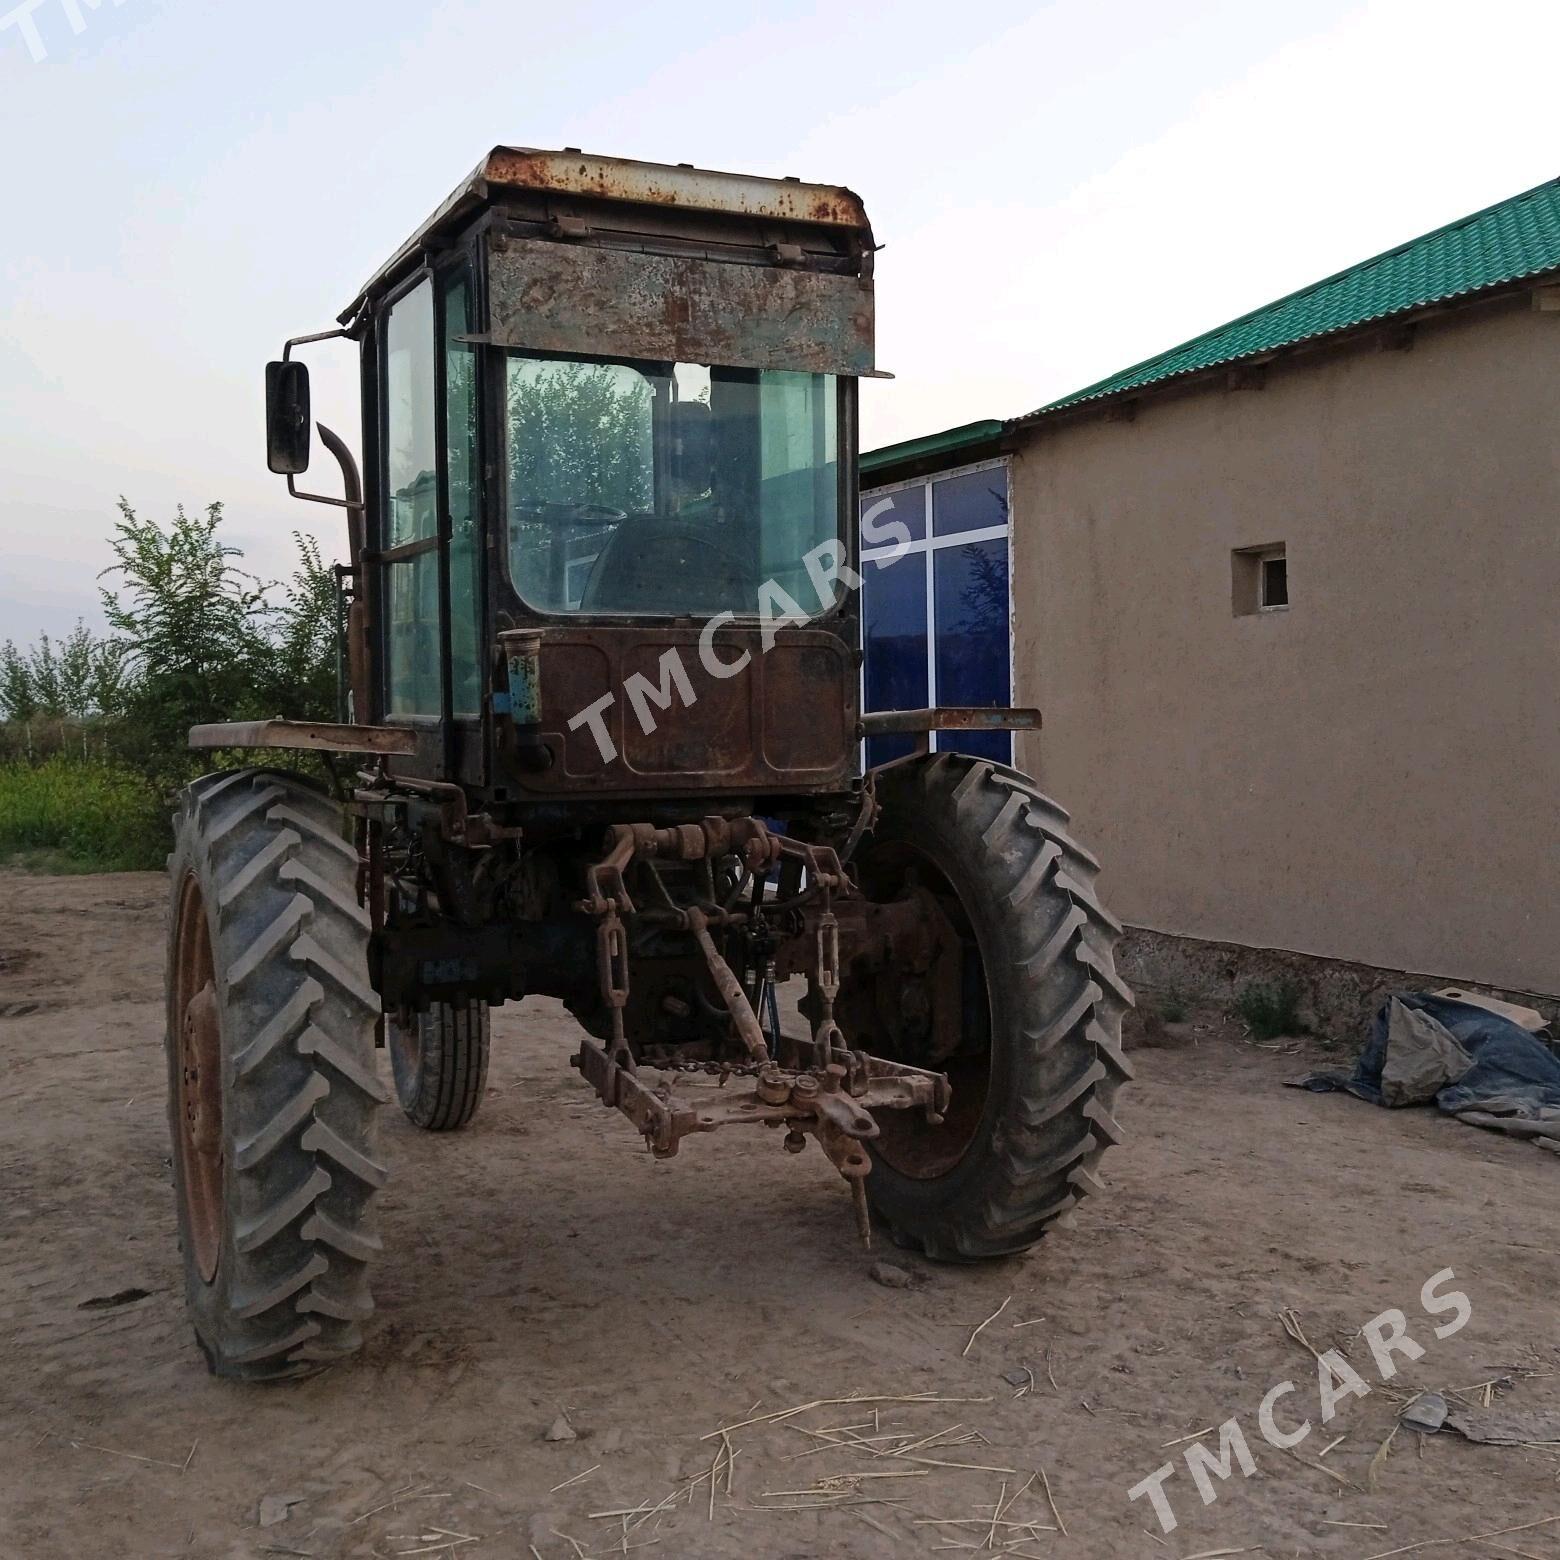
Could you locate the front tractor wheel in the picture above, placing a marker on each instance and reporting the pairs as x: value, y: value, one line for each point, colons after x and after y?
x: 440, y: 1064
x: 272, y: 1094
x: 1034, y: 1052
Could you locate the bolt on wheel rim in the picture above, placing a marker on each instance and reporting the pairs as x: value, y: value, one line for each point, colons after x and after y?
x: 198, y: 1038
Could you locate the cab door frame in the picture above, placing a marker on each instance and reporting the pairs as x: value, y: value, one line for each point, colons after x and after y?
x: 450, y: 745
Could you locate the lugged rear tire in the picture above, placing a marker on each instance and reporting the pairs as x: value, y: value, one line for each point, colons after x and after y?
x: 989, y: 1184
x: 275, y: 1166
x: 440, y: 1068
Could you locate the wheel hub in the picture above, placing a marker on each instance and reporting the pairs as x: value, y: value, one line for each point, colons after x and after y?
x: 202, y: 1072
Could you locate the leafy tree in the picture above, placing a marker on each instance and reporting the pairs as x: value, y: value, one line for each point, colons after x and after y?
x: 78, y: 678
x: 43, y: 667
x: 984, y: 594
x: 195, y: 631
x: 77, y: 655
x: 580, y: 434
x: 109, y: 684
x: 305, y: 635
x: 18, y: 700
x: 186, y: 610
x: 194, y: 639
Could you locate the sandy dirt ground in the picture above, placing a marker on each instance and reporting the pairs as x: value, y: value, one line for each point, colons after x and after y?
x: 541, y: 1265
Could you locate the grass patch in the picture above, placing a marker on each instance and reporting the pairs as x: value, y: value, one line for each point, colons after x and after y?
x: 68, y: 816
x: 1174, y: 1006
x: 1271, y: 1011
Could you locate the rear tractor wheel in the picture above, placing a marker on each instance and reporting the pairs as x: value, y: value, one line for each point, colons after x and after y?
x: 440, y: 1064
x: 272, y: 1093
x: 1034, y: 1055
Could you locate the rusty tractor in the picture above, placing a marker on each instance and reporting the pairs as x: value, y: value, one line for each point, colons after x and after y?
x: 601, y: 714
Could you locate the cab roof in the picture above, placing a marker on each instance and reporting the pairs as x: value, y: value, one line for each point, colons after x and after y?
x: 571, y: 172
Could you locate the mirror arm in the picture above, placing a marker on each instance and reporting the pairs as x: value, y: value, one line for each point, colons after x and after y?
x: 303, y: 341
x: 351, y: 482
x: 351, y: 486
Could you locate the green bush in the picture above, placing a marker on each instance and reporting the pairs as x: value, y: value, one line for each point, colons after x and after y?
x: 93, y: 730
x: 85, y: 817
x: 203, y: 641
x: 1271, y: 1011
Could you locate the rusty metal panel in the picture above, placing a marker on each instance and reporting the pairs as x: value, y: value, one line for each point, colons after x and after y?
x: 678, y: 187
x: 304, y: 735
x: 995, y: 717
x: 555, y: 297
x: 713, y: 737
x: 668, y: 184
x: 807, y: 698
x: 785, y: 721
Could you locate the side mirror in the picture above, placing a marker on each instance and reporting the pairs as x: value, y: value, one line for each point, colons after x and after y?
x: 287, y: 417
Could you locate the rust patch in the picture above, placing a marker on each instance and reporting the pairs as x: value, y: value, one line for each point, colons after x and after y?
x: 681, y: 184
x: 785, y: 722
x: 555, y: 297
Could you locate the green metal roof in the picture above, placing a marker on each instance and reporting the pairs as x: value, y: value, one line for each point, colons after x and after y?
x: 1516, y: 238
x: 931, y: 446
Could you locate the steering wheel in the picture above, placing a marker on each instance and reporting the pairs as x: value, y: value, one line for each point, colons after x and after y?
x: 642, y: 557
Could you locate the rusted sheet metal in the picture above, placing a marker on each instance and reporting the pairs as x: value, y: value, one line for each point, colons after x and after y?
x: 555, y: 297
x: 996, y: 717
x: 680, y: 184
x: 785, y: 721
x: 311, y: 735
x: 569, y: 172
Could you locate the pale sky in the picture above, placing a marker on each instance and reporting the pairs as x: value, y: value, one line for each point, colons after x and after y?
x: 1063, y: 189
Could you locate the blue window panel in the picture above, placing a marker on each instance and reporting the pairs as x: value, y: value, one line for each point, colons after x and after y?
x: 893, y: 617
x: 972, y: 502
x: 970, y: 589
x: 905, y: 508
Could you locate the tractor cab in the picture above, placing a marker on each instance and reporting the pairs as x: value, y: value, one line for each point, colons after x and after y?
x: 609, y: 436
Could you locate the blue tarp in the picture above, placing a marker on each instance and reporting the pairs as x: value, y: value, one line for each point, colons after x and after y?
x: 1515, y: 1075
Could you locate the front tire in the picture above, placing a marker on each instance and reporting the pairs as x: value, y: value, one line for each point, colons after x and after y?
x: 273, y: 1098
x: 1037, y: 1068
x: 440, y: 1064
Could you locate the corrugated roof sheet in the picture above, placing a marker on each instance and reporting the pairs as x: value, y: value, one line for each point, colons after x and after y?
x: 1517, y: 238
x: 931, y: 446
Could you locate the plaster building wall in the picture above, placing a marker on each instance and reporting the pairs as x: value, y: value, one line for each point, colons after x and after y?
x: 1373, y: 773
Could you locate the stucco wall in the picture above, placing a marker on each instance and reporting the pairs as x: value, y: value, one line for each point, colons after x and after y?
x: 1373, y: 774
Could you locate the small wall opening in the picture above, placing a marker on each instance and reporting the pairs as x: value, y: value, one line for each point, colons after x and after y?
x: 1274, y: 585
x: 1259, y: 579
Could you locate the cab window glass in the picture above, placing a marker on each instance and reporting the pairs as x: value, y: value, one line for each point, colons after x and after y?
x: 411, y: 506
x: 464, y: 488
x: 668, y: 489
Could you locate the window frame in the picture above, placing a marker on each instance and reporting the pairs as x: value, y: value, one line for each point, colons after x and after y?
x: 1278, y: 554
x: 461, y: 268
x: 502, y: 587
x: 406, y: 553
x: 450, y: 750
x: 1248, y: 579
x: 928, y: 544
